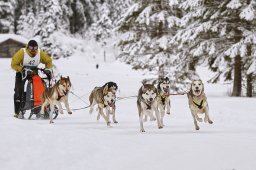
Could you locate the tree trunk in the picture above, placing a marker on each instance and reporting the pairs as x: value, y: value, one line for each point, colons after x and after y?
x: 237, y: 85
x: 249, y: 77
x: 249, y: 82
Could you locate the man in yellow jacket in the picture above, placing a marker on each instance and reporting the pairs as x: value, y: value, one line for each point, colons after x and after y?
x: 31, y: 55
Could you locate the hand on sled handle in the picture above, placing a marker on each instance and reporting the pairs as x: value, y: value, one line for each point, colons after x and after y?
x: 26, y: 73
x: 48, y: 72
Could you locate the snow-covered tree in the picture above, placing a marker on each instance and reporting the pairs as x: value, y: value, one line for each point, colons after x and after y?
x: 26, y: 24
x: 47, y: 23
x: 147, y: 27
x: 218, y: 32
x: 108, y: 12
x: 6, y: 17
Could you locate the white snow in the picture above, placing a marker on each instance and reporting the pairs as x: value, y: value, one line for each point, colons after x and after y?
x: 78, y: 141
x: 4, y: 37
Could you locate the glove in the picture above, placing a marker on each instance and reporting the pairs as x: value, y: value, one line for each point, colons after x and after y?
x: 48, y: 73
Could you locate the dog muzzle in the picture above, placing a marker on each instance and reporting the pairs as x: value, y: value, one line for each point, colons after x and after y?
x: 197, y: 92
x: 111, y: 104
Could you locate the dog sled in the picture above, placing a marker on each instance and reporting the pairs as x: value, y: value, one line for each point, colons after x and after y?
x: 34, y: 86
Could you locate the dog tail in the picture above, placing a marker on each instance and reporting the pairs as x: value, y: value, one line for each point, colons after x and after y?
x: 91, y: 98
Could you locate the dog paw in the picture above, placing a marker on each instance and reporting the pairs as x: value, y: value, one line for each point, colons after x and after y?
x: 51, y: 122
x: 61, y: 112
x: 90, y: 111
x: 115, y: 121
x: 197, y: 128
x: 211, y: 122
x: 168, y: 113
x: 142, y: 130
x: 70, y: 113
x: 108, y: 123
x: 160, y: 127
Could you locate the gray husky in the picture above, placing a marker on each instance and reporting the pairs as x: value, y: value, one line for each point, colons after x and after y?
x: 163, y: 97
x: 147, y: 104
x: 105, y: 98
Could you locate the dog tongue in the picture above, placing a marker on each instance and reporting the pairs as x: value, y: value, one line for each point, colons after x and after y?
x: 111, y: 104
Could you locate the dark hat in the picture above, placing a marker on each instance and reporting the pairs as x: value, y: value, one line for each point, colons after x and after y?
x: 32, y: 43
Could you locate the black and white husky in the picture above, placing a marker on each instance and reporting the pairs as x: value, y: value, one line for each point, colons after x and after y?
x: 147, y: 105
x: 163, y: 97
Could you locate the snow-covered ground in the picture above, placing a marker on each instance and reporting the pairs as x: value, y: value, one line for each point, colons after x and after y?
x: 79, y: 142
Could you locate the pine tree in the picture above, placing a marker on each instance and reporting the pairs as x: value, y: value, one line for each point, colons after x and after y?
x: 217, y: 32
x: 146, y: 29
x: 26, y: 24
x: 107, y: 13
x: 47, y: 24
x: 6, y: 17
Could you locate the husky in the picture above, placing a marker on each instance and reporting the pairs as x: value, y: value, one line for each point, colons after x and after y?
x: 112, y: 86
x: 163, y: 97
x: 147, y: 104
x: 55, y: 95
x: 105, y: 98
x: 198, y: 103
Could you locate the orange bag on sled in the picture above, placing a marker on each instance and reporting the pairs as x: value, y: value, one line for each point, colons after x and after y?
x: 38, y: 89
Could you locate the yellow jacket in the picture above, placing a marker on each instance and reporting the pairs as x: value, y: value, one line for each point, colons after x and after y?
x: 17, y: 59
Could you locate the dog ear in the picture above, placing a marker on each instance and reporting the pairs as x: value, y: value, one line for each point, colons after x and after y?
x: 105, y: 90
x: 68, y: 78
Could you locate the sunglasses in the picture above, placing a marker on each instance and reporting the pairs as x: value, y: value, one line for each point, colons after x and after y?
x: 32, y: 48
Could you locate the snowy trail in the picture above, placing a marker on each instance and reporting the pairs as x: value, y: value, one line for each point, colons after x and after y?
x: 78, y: 141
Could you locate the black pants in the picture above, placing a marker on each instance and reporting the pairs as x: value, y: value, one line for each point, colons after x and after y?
x: 18, y: 92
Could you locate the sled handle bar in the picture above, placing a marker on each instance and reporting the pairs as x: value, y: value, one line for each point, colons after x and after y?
x: 26, y: 70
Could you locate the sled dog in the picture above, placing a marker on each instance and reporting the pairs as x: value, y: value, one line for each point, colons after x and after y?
x: 55, y: 95
x: 147, y: 104
x: 163, y: 97
x: 198, y: 103
x: 105, y: 98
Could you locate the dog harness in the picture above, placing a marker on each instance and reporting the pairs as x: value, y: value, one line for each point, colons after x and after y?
x: 105, y: 105
x: 162, y: 97
x: 199, y: 106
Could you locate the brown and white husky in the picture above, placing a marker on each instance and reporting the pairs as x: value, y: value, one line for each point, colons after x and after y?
x: 55, y: 95
x: 198, y: 104
x: 105, y: 98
